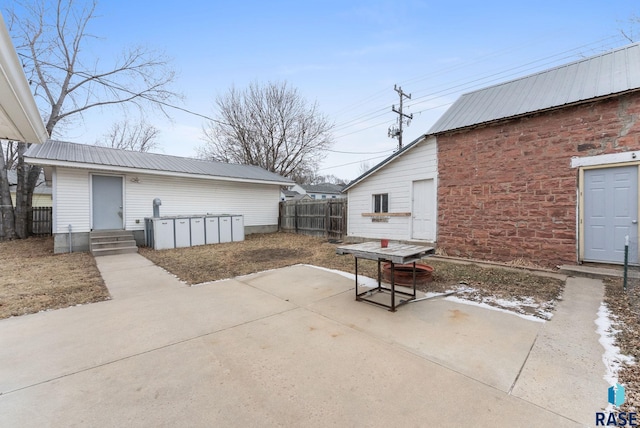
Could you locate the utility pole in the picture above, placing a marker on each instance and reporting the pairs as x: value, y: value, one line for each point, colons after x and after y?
x: 402, y: 117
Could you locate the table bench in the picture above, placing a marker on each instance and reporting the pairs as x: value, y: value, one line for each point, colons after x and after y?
x: 394, y: 254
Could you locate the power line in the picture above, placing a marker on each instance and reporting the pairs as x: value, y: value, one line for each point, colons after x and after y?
x: 602, y: 44
x: 358, y: 153
x: 351, y: 163
x: 363, y: 118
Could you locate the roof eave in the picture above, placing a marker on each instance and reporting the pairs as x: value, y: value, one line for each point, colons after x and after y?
x: 532, y: 113
x: 129, y: 170
x: 385, y: 162
x: 19, y: 116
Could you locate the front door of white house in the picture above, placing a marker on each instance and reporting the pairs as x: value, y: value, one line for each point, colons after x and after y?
x: 610, y: 214
x: 106, y: 193
x: 423, y: 211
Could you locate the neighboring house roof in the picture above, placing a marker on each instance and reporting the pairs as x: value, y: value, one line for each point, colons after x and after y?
x: 328, y: 188
x: 292, y: 195
x: 385, y: 162
x: 19, y: 116
x: 59, y: 153
x: 613, y: 72
x: 41, y: 186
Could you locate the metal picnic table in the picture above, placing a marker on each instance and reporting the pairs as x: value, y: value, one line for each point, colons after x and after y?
x: 394, y: 254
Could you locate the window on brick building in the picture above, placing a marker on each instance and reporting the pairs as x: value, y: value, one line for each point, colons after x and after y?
x: 381, y: 203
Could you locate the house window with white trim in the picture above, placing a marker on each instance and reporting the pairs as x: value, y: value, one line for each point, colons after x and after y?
x: 381, y: 203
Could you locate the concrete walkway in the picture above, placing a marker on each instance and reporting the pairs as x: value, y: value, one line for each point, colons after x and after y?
x: 291, y: 347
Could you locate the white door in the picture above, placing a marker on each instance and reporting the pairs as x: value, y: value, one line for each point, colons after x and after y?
x: 423, y: 211
x: 610, y: 214
x: 106, y: 191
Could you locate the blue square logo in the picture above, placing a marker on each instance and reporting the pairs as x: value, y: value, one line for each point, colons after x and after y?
x: 616, y: 395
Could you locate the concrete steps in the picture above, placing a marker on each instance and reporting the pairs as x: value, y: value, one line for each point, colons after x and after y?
x: 110, y: 242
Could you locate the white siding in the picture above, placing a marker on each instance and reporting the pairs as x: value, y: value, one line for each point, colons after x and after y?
x: 395, y: 179
x: 258, y: 203
x: 72, y: 200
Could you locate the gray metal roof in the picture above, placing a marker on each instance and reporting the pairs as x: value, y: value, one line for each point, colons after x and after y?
x: 609, y: 73
x: 322, y: 188
x: 41, y: 185
x: 43, y: 154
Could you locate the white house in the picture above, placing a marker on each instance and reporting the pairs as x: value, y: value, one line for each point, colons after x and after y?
x: 324, y: 191
x: 293, y: 193
x: 98, y: 188
x: 42, y: 194
x: 397, y: 198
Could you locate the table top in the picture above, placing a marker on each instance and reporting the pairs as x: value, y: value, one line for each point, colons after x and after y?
x: 396, y: 253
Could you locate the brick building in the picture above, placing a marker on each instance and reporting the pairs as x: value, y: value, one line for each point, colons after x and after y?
x: 519, y: 165
x: 542, y: 168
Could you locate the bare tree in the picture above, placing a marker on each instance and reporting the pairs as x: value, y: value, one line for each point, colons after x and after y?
x: 139, y: 137
x: 52, y: 38
x: 364, y: 167
x: 631, y: 33
x: 329, y: 178
x: 271, y: 126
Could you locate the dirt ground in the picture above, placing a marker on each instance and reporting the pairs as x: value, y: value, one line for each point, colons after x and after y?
x: 268, y: 251
x: 33, y: 279
x: 625, y: 307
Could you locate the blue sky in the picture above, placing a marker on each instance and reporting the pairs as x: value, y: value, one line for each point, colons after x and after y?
x: 347, y: 56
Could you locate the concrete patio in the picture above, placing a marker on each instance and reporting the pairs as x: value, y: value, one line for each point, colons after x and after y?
x: 291, y: 347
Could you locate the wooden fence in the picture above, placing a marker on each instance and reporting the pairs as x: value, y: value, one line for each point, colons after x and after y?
x: 326, y: 217
x: 41, y: 221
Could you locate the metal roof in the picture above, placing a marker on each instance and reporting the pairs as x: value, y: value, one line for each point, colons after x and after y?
x: 322, y: 188
x: 606, y: 74
x: 41, y: 185
x: 57, y: 152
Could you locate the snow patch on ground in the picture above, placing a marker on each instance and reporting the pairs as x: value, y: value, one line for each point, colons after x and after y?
x: 494, y: 308
x: 612, y: 358
x: 525, y: 307
x: 514, y: 307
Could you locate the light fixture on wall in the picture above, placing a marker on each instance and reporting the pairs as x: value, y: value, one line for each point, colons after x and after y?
x: 135, y: 180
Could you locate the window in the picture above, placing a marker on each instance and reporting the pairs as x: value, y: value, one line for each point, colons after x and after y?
x: 381, y: 203
x: 324, y: 196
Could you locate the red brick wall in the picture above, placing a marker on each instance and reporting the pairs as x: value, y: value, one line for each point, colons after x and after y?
x: 507, y: 191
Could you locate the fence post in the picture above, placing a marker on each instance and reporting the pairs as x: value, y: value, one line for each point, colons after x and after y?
x: 327, y: 219
x: 626, y: 262
x: 295, y: 216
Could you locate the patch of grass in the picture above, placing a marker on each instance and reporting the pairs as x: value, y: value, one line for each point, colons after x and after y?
x: 33, y: 279
x: 268, y: 251
x: 505, y: 283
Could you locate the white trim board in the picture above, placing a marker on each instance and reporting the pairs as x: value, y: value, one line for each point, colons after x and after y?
x: 612, y: 158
